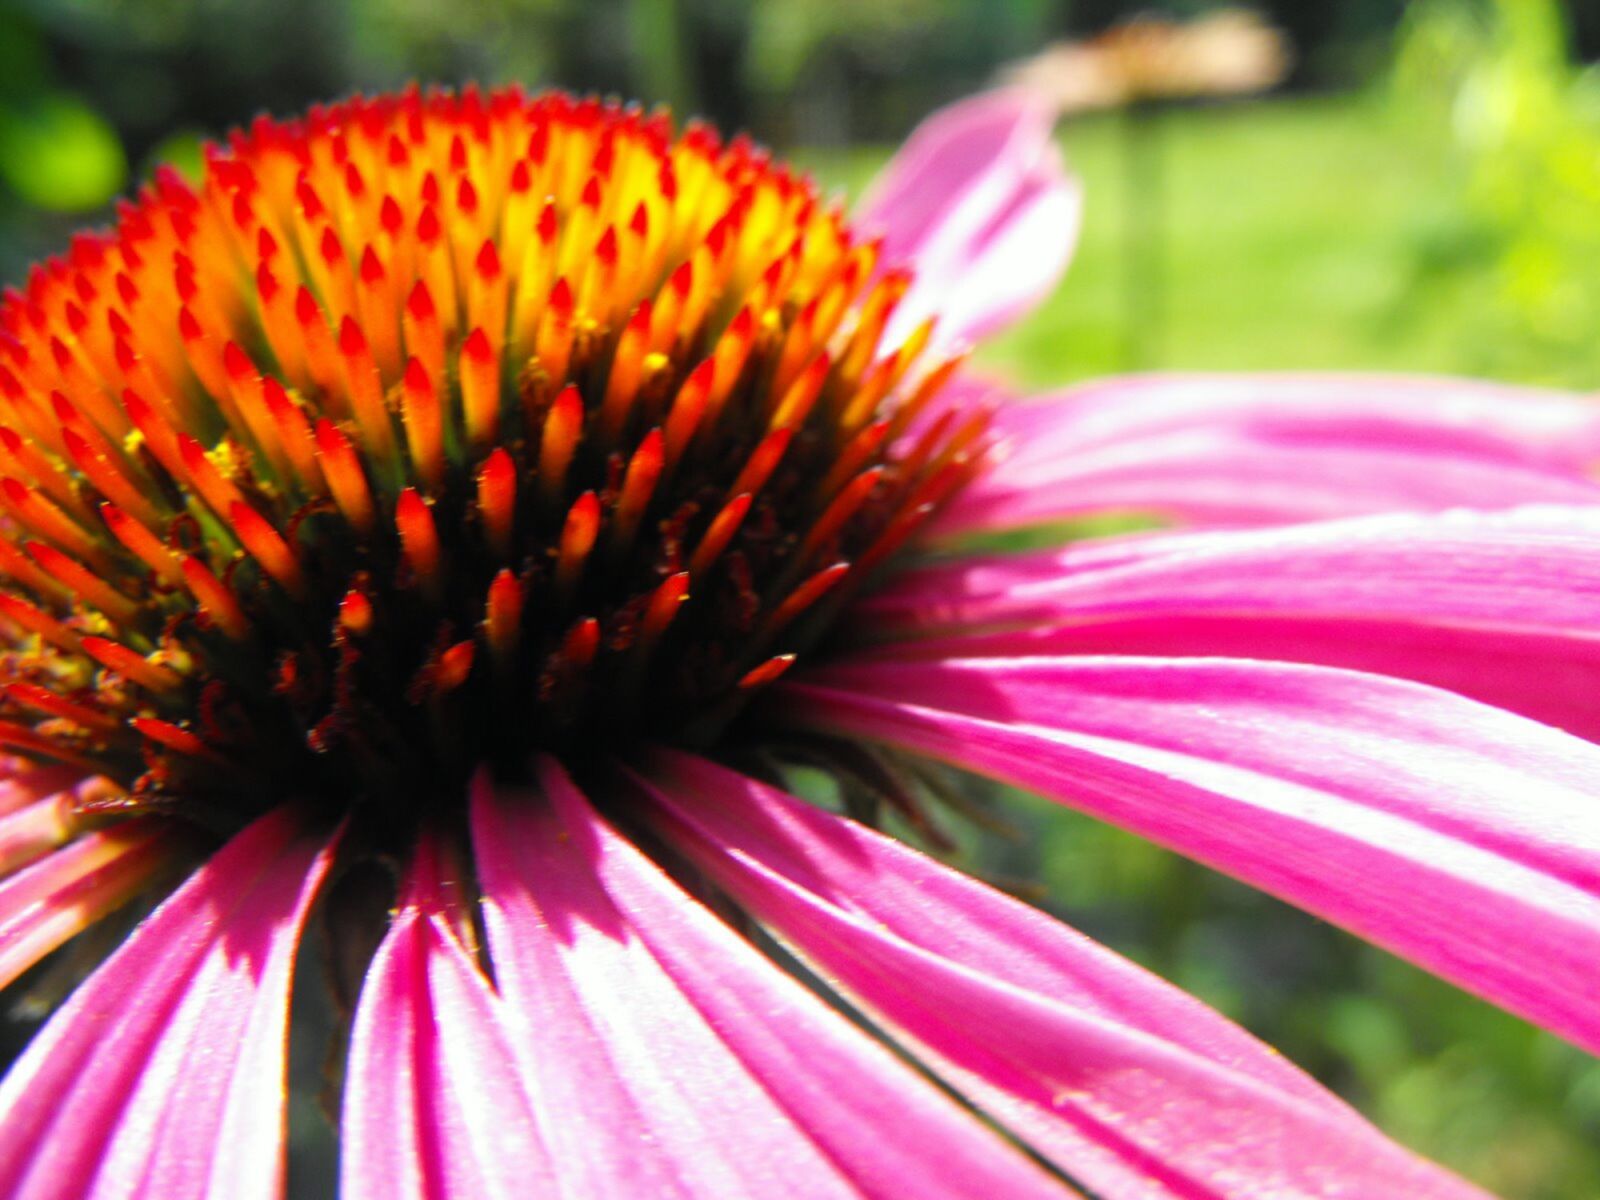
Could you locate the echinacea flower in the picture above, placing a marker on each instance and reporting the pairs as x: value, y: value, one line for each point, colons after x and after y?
x: 423, y: 513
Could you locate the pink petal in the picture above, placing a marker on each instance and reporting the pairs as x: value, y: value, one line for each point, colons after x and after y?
x: 1542, y: 427
x: 1498, y: 606
x: 1250, y: 450
x: 983, y: 592
x: 1457, y: 835
x: 52, y: 900
x: 1550, y: 678
x: 1124, y: 1082
x: 43, y: 814
x: 23, y: 782
x: 433, y: 1104
x: 31, y: 832
x: 668, y: 1058
x: 978, y: 202
x: 163, y: 1075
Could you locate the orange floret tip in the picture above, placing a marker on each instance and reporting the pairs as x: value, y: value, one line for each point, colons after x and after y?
x: 503, y: 614
x: 355, y: 612
x: 419, y: 536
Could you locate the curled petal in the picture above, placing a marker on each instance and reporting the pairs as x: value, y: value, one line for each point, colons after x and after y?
x: 978, y: 202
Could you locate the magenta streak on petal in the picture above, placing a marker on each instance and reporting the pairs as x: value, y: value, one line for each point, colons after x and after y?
x: 673, y: 1058
x: 1539, y: 427
x: 51, y: 900
x: 1242, y: 451
x: 1455, y: 834
x: 1535, y: 568
x: 1553, y: 678
x: 980, y: 205
x: 1229, y: 478
x: 1498, y: 606
x: 1133, y: 1087
x: 162, y: 1077
x: 433, y: 1105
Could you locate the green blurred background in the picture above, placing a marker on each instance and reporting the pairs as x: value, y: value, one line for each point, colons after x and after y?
x: 1422, y: 193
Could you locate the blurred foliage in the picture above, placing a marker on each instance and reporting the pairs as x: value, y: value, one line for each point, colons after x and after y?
x: 60, y: 158
x: 56, y: 153
x: 1524, y: 125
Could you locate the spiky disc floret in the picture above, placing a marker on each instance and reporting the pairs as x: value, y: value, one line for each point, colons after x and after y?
x: 429, y: 429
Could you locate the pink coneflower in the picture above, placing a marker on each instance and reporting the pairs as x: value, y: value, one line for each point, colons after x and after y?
x: 423, y: 515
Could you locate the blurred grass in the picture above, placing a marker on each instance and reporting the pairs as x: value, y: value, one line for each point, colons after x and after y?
x: 1287, y: 244
x: 1294, y: 239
